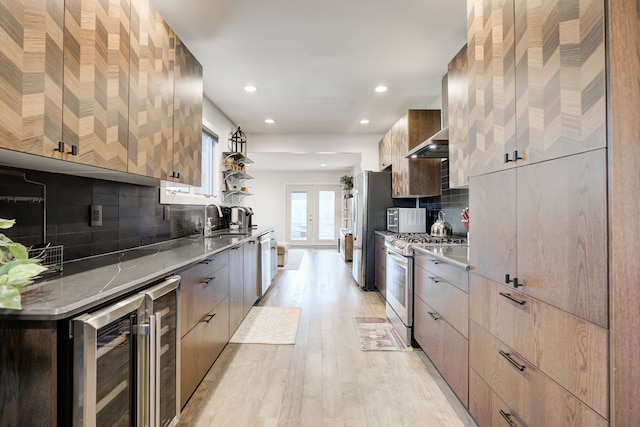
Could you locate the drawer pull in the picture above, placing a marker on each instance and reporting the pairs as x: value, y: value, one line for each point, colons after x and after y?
x: 436, y: 261
x: 507, y: 417
x: 208, y: 317
x: 208, y: 280
x: 510, y: 359
x: 205, y: 261
x: 433, y: 315
x: 435, y: 279
x: 510, y: 297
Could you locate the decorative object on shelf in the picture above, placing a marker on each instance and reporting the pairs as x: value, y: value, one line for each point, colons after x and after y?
x: 346, y: 182
x: 465, y: 218
x: 17, y: 270
x: 238, y: 141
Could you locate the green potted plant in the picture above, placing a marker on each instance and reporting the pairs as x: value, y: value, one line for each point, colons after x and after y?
x: 346, y: 182
x: 17, y: 270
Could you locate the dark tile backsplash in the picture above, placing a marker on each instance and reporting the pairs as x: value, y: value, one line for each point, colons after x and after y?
x: 451, y: 201
x: 131, y: 214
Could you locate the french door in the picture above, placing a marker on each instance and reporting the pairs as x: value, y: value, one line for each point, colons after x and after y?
x: 312, y: 214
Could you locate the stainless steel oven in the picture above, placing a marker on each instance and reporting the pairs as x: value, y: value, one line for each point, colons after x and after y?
x: 125, y: 361
x: 399, y: 284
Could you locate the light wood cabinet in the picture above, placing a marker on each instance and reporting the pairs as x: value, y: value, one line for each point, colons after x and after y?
x: 151, y: 80
x: 441, y: 319
x: 412, y: 177
x: 381, y: 265
x: 31, y: 76
x: 96, y: 83
x: 555, y: 61
x: 487, y: 408
x: 458, y: 111
x: 571, y: 351
x: 186, y: 164
x: 535, y: 398
x: 556, y: 209
x: 384, y: 153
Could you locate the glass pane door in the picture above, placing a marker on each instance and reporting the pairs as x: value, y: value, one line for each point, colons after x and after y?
x: 313, y: 214
x: 299, y: 202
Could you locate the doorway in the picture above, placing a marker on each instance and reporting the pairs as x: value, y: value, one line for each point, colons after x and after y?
x: 312, y: 215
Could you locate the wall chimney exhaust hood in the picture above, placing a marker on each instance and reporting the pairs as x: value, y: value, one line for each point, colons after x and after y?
x: 437, y: 146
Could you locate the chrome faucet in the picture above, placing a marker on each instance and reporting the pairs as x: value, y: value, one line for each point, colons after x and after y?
x: 209, y: 226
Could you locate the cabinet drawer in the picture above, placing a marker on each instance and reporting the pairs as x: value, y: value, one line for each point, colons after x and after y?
x: 538, y: 400
x: 487, y: 408
x: 570, y: 350
x: 447, y: 349
x: 200, y: 348
x: 449, y: 301
x: 197, y: 300
x: 449, y: 272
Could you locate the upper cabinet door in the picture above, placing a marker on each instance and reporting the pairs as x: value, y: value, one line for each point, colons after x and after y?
x: 458, y: 95
x: 492, y: 85
x: 31, y: 34
x: 96, y: 82
x: 187, y: 118
x: 560, y: 69
x: 150, y: 92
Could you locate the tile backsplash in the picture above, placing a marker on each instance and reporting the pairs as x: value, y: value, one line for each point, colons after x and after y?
x: 451, y: 201
x: 131, y: 214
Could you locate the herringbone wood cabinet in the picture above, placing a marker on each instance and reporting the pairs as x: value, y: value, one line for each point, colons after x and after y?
x: 187, y: 117
x: 31, y: 39
x: 458, y: 96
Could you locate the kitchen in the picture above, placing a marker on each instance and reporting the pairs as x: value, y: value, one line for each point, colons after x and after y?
x: 614, y: 309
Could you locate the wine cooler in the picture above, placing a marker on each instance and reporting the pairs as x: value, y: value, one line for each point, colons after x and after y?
x: 126, y: 359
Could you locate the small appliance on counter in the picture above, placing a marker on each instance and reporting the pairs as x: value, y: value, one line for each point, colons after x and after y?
x: 440, y: 227
x: 407, y: 220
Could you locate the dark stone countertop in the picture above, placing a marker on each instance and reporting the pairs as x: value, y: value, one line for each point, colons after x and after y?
x: 92, y: 281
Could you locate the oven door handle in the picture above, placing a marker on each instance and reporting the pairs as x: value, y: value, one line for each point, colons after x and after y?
x: 402, y: 261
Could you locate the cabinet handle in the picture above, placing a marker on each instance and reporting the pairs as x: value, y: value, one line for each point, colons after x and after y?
x: 510, y: 297
x: 507, y: 418
x: 435, y: 279
x: 74, y: 150
x: 508, y: 279
x: 515, y: 157
x: 207, y: 318
x: 205, y: 261
x: 60, y: 147
x: 433, y: 315
x: 208, y: 280
x: 510, y: 359
x: 436, y: 261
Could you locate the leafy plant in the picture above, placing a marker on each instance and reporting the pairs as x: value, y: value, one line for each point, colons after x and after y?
x: 17, y: 270
x: 346, y: 182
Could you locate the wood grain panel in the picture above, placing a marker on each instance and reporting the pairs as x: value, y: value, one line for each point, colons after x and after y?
x: 570, y: 350
x: 492, y: 200
x: 498, y: 133
x: 31, y: 37
x: 560, y: 69
x: 562, y: 239
x: 458, y: 96
x: 150, y: 92
x: 475, y: 77
x: 96, y: 82
x: 413, y: 177
x: 537, y: 400
x: 623, y: 33
x: 187, y: 119
x: 236, y: 288
x: 28, y: 373
x: 485, y: 405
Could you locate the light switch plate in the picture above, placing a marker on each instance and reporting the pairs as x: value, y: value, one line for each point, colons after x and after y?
x: 96, y: 215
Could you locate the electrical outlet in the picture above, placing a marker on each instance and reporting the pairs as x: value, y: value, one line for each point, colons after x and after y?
x: 96, y: 215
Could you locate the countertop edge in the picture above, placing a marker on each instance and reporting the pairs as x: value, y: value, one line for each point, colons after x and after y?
x: 459, y: 264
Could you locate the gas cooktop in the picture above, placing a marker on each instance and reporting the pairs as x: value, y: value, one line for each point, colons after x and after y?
x: 405, y: 242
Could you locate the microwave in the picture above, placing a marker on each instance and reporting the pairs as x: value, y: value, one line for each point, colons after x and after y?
x: 407, y: 220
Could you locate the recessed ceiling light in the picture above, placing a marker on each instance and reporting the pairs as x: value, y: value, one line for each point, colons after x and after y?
x: 269, y: 121
x: 364, y: 121
x: 381, y: 89
x: 323, y: 165
x: 250, y: 88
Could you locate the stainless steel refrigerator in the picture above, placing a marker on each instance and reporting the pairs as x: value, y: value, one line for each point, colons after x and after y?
x: 371, y: 198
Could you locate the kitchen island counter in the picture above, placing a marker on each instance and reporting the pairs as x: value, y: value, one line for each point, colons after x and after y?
x: 90, y: 282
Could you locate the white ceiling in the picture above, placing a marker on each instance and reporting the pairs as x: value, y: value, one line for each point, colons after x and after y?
x: 316, y: 63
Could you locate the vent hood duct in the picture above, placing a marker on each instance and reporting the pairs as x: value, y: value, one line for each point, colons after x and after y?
x: 437, y: 146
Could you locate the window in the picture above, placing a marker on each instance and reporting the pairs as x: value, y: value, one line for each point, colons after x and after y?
x: 185, y: 194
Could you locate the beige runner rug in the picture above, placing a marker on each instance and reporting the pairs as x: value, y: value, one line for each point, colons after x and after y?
x: 268, y: 325
x: 376, y: 333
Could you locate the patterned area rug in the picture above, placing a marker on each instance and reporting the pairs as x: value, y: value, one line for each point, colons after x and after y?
x: 376, y: 333
x: 268, y: 325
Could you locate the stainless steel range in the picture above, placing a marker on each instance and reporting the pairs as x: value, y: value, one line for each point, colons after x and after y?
x: 399, y: 284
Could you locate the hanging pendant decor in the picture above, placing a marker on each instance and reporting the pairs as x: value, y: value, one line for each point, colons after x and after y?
x: 238, y: 141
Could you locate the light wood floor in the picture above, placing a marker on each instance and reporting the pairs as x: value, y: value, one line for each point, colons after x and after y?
x: 324, y: 379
